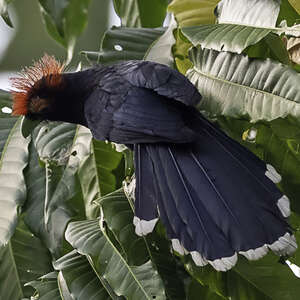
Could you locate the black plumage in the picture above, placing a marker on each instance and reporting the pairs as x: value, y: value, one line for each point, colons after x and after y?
x: 215, y: 198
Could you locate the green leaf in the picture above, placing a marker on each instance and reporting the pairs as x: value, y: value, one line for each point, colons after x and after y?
x: 248, y: 12
x: 288, y: 12
x: 63, y: 200
x: 98, y: 173
x: 121, y: 43
x: 81, y: 280
x: 5, y: 100
x: 234, y: 86
x: 13, y: 160
x: 118, y: 215
x: 207, y: 276
x: 295, y: 4
x: 46, y: 287
x: 18, y: 263
x: 191, y: 13
x: 225, y: 37
x: 266, y: 274
x: 4, y: 13
x: 140, y: 13
x: 90, y: 238
x: 161, y: 49
x: 196, y: 291
x: 35, y: 178
x: 65, y: 20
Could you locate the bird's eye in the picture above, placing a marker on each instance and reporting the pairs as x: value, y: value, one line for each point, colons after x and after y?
x: 38, y: 105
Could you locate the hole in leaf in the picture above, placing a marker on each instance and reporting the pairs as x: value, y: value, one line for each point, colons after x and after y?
x: 6, y: 110
x: 118, y: 47
x: 74, y: 153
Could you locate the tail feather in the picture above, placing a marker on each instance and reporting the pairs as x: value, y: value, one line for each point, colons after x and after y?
x: 146, y: 214
x: 215, y: 198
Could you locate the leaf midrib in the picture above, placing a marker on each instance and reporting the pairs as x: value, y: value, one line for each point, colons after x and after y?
x: 240, y: 85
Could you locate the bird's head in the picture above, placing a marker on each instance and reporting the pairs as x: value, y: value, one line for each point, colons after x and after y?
x: 44, y: 92
x: 36, y: 89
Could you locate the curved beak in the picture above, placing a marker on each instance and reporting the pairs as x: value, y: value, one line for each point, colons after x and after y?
x: 27, y: 126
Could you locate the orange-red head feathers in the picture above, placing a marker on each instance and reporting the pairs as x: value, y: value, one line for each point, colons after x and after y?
x: 48, y: 69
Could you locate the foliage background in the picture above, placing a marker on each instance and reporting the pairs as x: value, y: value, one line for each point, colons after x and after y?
x: 66, y: 221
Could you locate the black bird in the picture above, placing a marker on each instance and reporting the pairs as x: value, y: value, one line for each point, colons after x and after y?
x: 215, y: 198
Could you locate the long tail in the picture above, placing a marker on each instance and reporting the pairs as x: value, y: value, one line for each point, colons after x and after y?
x: 215, y: 198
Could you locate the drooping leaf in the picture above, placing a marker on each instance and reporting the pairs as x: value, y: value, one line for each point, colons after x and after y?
x: 4, y: 13
x: 140, y: 13
x: 46, y: 287
x: 121, y: 43
x: 181, y: 52
x: 35, y: 178
x: 19, y: 263
x: 134, y: 282
x: 13, y: 160
x: 249, y: 12
x: 225, y: 37
x: 161, y: 49
x: 63, y: 200
x: 81, y: 280
x: 65, y: 20
x: 191, y: 13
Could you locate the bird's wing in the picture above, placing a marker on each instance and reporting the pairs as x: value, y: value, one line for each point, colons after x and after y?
x: 131, y: 115
x: 161, y: 79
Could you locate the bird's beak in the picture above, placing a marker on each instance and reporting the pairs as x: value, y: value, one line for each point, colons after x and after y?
x: 27, y: 126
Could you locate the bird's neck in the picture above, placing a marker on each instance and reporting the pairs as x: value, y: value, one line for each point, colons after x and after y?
x: 76, y: 89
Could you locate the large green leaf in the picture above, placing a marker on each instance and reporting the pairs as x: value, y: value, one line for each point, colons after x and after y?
x: 225, y: 37
x: 264, y: 279
x: 121, y: 43
x: 80, y: 278
x: 35, y: 178
x: 191, y: 12
x: 4, y: 13
x: 140, y: 13
x: 90, y: 238
x: 65, y: 20
x: 63, y: 199
x: 250, y: 12
x: 232, y: 85
x: 46, y: 287
x: 118, y: 214
x: 98, y: 171
x: 13, y: 160
x: 19, y: 264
